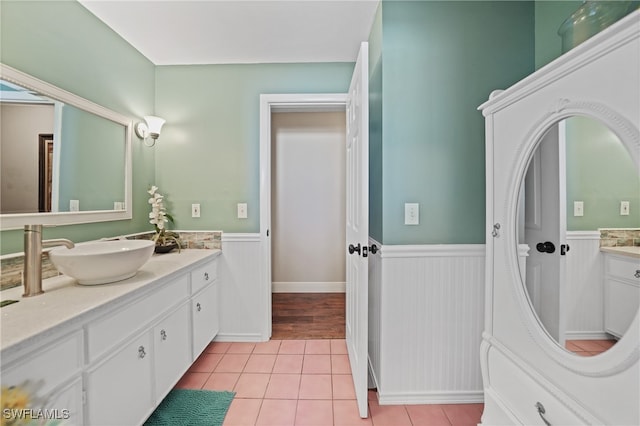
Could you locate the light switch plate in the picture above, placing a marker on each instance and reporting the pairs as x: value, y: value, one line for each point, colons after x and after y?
x: 242, y: 210
x: 578, y: 208
x: 74, y: 205
x: 411, y: 214
x: 195, y: 210
x: 624, y: 208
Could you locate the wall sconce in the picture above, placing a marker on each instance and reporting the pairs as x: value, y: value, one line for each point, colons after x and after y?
x: 150, y: 129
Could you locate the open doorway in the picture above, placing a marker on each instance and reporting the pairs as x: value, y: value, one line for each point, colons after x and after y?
x: 300, y: 292
x: 308, y: 223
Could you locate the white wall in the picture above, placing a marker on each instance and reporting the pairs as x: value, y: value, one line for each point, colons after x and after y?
x: 308, y: 201
x: 21, y: 125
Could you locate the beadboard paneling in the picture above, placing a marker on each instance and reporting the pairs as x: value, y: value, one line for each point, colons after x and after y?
x: 243, y: 315
x: 429, y: 310
x: 375, y: 285
x: 585, y: 286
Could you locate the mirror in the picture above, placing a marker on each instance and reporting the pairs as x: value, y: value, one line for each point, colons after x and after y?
x: 64, y: 159
x: 578, y: 174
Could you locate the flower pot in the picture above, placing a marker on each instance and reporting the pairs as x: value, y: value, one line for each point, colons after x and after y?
x: 165, y: 248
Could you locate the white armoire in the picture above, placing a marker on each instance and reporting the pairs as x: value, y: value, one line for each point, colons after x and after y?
x: 528, y: 378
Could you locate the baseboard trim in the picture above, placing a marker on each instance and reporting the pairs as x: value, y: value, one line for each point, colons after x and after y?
x: 239, y: 337
x: 412, y: 398
x: 308, y: 287
x: 587, y: 335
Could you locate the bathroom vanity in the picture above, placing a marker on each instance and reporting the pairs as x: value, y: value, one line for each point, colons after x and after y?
x: 109, y: 354
x: 528, y: 378
x: 621, y: 288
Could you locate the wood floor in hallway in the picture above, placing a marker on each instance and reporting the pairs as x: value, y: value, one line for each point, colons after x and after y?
x: 308, y: 316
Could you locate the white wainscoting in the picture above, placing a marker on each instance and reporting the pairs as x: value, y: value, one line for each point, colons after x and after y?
x: 426, y: 317
x: 244, y: 310
x: 585, y: 286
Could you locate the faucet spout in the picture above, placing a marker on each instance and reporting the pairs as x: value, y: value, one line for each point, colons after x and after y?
x: 33, y: 244
x: 58, y: 242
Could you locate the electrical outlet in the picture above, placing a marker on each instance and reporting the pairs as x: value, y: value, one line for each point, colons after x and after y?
x: 242, y: 210
x: 624, y: 208
x: 74, y: 205
x: 578, y: 208
x: 411, y: 214
x: 195, y: 210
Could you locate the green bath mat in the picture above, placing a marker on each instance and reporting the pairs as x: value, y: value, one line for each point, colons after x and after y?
x: 191, y: 407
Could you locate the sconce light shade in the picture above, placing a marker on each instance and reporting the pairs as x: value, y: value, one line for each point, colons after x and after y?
x: 155, y: 125
x: 150, y: 129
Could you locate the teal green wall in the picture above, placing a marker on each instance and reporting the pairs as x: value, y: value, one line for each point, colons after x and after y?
x: 600, y: 173
x: 441, y: 60
x: 209, y: 150
x: 599, y: 170
x: 63, y: 43
x: 375, y: 129
x: 549, y: 15
x: 97, y: 183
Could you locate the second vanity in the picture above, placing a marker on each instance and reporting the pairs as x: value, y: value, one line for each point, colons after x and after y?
x: 621, y: 287
x: 109, y: 354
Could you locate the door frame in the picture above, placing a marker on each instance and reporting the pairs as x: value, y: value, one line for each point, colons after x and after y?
x: 294, y: 102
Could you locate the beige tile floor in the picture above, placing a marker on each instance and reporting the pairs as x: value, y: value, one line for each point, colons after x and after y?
x: 304, y: 382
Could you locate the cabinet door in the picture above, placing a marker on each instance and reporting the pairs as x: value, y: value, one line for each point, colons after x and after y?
x: 204, y: 314
x: 171, y: 350
x: 119, y: 390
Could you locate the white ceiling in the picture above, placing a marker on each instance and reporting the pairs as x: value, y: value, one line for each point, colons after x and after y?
x: 177, y: 32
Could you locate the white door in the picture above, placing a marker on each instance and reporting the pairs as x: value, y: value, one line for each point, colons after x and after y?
x: 357, y: 222
x: 545, y: 231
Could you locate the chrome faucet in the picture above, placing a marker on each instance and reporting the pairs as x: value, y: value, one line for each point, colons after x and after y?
x: 33, y: 244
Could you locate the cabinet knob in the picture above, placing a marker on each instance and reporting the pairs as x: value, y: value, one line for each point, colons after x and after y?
x: 141, y: 352
x: 163, y: 334
x: 637, y: 274
x: 206, y: 276
x: 198, y: 306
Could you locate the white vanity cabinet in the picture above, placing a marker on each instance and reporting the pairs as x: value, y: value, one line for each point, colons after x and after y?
x: 121, y: 347
x: 118, y: 389
x: 204, y: 307
x: 172, y: 350
x: 621, y: 292
x: 52, y: 376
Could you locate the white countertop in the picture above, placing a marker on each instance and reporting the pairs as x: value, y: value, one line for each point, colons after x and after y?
x: 65, y: 301
x: 631, y: 251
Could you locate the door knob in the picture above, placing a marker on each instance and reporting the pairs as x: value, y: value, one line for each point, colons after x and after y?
x: 374, y: 249
x: 354, y: 249
x: 546, y: 247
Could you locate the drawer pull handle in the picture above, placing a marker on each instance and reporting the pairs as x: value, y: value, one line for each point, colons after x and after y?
x: 141, y: 352
x: 163, y: 334
x: 206, y: 276
x: 637, y: 274
x: 198, y: 307
x: 541, y: 411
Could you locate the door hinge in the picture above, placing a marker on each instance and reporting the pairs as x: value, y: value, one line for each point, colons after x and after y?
x: 267, y: 232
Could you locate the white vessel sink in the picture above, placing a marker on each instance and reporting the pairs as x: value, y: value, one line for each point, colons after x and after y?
x: 102, y: 262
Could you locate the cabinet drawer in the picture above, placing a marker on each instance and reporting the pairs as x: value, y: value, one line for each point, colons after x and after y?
x: 47, y: 367
x: 117, y: 325
x: 203, y: 276
x: 172, y: 350
x: 119, y: 390
x: 205, y: 322
x: 623, y: 268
